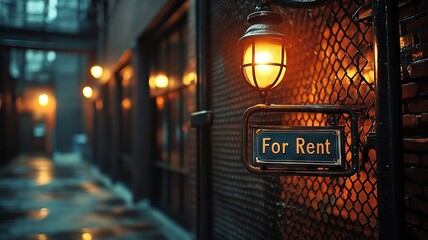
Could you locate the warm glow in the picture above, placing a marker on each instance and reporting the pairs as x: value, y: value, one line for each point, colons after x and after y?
x: 41, y: 237
x: 160, y: 102
x: 161, y: 81
x: 126, y: 104
x: 44, y: 176
x: 189, y: 78
x: 43, y: 213
x: 268, y: 58
x: 97, y: 71
x: 39, y: 214
x: 43, y: 99
x: 86, y: 236
x: 127, y: 74
x: 87, y: 92
x: 99, y: 104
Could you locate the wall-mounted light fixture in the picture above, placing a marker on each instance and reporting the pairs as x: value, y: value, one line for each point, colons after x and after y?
x: 263, y: 57
x: 276, y: 148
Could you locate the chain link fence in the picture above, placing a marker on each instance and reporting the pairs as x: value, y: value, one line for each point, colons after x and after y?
x: 330, y: 60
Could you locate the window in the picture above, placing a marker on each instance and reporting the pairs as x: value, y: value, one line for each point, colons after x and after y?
x: 173, y: 91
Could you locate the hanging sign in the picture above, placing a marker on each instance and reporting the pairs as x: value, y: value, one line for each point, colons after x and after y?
x: 304, y: 146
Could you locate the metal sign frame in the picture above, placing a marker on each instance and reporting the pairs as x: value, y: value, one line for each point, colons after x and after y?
x: 290, y: 169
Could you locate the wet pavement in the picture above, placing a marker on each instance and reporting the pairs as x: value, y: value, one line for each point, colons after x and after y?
x: 42, y: 199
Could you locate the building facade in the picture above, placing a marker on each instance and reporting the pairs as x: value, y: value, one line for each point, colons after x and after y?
x: 167, y: 117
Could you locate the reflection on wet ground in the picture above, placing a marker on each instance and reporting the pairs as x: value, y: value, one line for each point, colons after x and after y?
x: 42, y: 199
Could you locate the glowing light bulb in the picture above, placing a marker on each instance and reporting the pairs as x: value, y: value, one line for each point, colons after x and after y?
x: 161, y: 81
x: 126, y: 103
x: 97, y: 71
x: 43, y: 99
x: 267, y: 69
x: 87, y: 92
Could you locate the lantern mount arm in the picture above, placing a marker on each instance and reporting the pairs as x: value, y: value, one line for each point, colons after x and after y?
x: 299, y: 3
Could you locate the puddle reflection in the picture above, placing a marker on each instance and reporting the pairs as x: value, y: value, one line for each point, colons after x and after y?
x: 86, y: 236
x: 43, y: 170
x: 39, y: 214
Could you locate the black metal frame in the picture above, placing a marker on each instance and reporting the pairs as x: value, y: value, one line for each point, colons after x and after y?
x: 389, y: 147
x: 292, y: 170
x: 203, y: 133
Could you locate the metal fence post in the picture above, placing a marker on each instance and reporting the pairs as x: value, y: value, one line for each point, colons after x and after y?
x: 388, y: 120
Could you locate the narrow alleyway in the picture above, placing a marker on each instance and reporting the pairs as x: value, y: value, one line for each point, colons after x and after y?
x: 45, y: 199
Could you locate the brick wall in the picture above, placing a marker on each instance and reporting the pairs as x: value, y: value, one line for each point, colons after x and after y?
x: 414, y: 59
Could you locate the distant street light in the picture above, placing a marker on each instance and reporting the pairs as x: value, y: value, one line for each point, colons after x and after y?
x: 97, y: 71
x: 43, y: 99
x: 87, y: 92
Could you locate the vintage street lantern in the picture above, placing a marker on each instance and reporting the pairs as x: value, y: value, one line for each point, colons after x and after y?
x: 276, y: 148
x: 263, y: 54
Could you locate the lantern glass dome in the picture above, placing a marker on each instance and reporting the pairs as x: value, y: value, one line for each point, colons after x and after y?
x: 264, y: 61
x: 263, y: 57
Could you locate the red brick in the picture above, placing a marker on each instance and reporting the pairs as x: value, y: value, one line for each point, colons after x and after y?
x: 409, y: 90
x: 419, y: 53
x: 418, y: 106
x: 416, y: 144
x: 425, y: 87
x: 418, y: 69
x: 410, y: 121
x: 425, y: 222
x: 423, y: 36
x: 407, y: 11
x: 424, y: 5
x: 424, y: 160
x: 411, y: 159
x: 416, y: 174
x: 426, y: 193
x: 424, y: 119
x: 417, y: 24
x: 418, y: 205
x: 413, y: 218
x: 418, y: 234
x: 413, y: 188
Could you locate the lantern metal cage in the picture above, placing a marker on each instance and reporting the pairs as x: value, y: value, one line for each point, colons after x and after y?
x: 263, y: 58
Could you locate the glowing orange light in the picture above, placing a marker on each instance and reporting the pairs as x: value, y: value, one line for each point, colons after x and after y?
x: 87, y: 92
x: 41, y: 237
x: 97, y: 71
x: 126, y: 76
x: 99, y: 104
x: 160, y: 101
x: 263, y: 50
x: 86, y: 236
x: 161, y: 81
x: 43, y: 99
x: 268, y: 62
x: 189, y: 78
x: 126, y: 104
